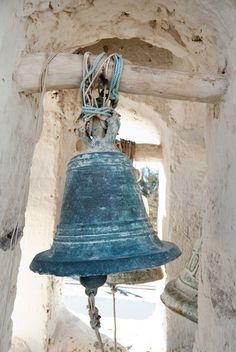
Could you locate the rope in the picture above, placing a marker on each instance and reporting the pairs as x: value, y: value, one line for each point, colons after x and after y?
x: 99, y: 96
x: 95, y: 318
x: 114, y: 290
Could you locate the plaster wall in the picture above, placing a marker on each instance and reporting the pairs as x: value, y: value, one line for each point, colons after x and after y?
x: 217, y: 289
x: 185, y: 168
x: 19, y: 130
x: 35, y: 300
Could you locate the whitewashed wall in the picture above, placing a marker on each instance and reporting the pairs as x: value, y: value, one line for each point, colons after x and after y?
x: 38, y: 296
x: 217, y: 291
x: 17, y: 138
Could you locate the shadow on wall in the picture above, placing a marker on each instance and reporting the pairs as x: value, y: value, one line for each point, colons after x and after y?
x: 180, y: 340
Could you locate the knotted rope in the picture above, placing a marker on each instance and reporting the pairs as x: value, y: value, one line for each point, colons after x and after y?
x: 99, y: 95
x: 95, y: 318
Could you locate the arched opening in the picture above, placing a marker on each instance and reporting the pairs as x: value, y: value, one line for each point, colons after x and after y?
x: 144, y: 120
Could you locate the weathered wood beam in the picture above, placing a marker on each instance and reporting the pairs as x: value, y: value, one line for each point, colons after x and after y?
x: 143, y: 152
x: 148, y: 152
x: 65, y: 71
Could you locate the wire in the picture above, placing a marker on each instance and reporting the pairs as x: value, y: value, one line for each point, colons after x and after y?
x: 113, y: 290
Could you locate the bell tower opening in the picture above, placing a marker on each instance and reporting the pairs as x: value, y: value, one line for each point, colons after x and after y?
x: 155, y: 126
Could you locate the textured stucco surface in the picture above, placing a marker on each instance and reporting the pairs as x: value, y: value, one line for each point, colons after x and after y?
x: 198, y: 141
x: 16, y: 149
x: 36, y: 300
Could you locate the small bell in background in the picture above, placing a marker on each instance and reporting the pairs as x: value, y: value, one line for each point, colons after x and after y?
x: 181, y: 295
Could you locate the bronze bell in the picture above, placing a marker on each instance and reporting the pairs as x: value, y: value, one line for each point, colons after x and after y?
x: 103, y: 225
x: 181, y: 295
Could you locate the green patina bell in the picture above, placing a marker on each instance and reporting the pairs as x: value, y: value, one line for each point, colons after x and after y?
x: 181, y: 295
x: 103, y: 226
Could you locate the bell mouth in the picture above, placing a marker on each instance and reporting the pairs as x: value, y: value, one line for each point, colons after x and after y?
x: 180, y: 302
x: 51, y: 262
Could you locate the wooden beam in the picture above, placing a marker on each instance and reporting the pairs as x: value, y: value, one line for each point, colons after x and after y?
x: 65, y: 71
x: 143, y: 152
x: 148, y: 152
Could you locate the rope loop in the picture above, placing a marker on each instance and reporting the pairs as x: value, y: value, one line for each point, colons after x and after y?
x: 93, y: 313
x: 99, y: 95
